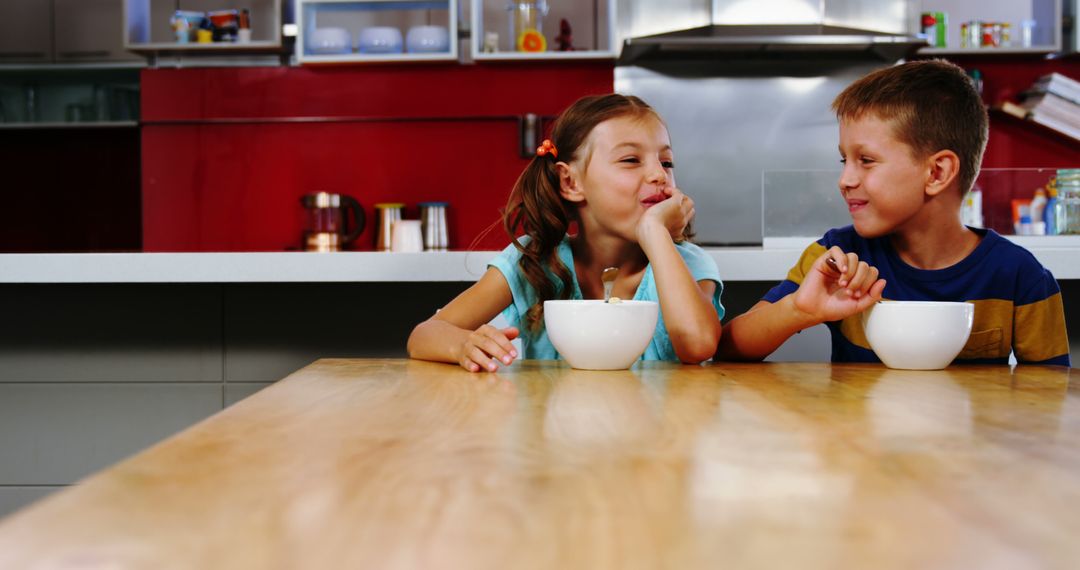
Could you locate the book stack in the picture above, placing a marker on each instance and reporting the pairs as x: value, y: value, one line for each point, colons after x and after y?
x: 1053, y: 101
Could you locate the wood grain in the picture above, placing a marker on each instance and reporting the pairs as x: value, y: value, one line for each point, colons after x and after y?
x: 406, y: 464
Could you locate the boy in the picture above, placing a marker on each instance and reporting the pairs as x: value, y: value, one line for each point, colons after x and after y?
x: 911, y: 140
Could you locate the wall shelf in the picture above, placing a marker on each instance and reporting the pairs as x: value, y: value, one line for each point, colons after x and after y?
x: 148, y: 32
x: 597, y: 36
x: 356, y: 15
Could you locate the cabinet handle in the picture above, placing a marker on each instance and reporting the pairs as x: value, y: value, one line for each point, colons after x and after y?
x: 88, y: 53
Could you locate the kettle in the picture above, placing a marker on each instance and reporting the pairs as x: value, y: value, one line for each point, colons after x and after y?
x: 331, y: 221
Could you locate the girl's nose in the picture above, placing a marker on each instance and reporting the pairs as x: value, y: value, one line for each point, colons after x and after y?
x: 657, y: 174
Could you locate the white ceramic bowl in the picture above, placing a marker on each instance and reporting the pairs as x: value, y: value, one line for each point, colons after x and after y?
x: 594, y: 335
x: 379, y: 39
x: 329, y: 41
x: 918, y: 335
x: 427, y: 39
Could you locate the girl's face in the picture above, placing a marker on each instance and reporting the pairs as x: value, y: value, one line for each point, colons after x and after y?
x: 621, y: 171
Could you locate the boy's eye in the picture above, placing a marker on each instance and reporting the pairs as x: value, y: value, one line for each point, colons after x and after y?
x: 843, y: 160
x: 667, y: 164
x: 865, y: 159
x: 630, y: 159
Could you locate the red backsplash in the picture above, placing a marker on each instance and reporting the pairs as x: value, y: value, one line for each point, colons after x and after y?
x: 1015, y: 143
x: 227, y: 152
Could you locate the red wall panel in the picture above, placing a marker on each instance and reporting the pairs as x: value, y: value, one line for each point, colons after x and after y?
x: 227, y: 152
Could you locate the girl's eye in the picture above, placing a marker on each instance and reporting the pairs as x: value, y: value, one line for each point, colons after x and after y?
x: 843, y: 160
x: 865, y: 160
x: 667, y: 164
x: 630, y: 159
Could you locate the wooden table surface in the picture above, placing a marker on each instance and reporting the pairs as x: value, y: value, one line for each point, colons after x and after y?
x: 405, y: 464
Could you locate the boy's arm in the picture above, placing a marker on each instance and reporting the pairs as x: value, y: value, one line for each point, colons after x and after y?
x: 459, y: 332
x: 825, y: 294
x: 756, y: 333
x: 689, y: 315
x: 1039, y: 334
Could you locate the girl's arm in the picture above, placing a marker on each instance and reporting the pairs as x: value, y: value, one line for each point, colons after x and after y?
x: 459, y: 331
x: 689, y: 315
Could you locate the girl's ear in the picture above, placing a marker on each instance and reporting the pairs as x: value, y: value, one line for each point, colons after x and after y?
x: 569, y: 188
x: 944, y: 167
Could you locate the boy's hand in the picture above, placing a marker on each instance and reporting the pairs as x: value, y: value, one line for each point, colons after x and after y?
x: 486, y: 346
x: 674, y: 214
x: 831, y: 292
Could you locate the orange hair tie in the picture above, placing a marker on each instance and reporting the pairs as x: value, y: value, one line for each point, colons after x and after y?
x: 546, y: 147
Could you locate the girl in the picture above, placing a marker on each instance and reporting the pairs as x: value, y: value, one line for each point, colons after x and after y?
x: 607, y: 171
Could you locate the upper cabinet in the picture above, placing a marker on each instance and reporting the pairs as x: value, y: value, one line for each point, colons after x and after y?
x: 350, y: 31
x: 62, y: 31
x: 89, y: 31
x: 25, y: 31
x: 185, y: 27
x: 543, y: 29
x: 979, y: 27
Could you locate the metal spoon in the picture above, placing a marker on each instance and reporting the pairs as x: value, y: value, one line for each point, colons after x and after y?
x: 608, y: 279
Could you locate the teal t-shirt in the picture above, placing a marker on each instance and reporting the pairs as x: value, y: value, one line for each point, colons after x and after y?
x: 535, y: 344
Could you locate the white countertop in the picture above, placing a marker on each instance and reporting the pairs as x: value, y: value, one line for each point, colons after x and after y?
x: 1060, y: 254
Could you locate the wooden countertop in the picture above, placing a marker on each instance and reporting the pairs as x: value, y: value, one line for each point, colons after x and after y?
x: 406, y: 464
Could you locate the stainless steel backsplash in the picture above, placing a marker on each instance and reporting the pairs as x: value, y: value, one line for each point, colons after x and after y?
x: 731, y: 119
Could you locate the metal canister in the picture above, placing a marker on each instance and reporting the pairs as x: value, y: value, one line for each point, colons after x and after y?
x: 386, y: 214
x: 935, y: 28
x: 971, y: 34
x: 433, y: 220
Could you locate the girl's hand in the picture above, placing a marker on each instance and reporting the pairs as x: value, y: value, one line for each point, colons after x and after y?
x: 673, y: 214
x: 833, y: 291
x: 486, y: 347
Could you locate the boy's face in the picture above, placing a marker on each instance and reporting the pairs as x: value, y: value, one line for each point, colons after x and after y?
x: 882, y: 182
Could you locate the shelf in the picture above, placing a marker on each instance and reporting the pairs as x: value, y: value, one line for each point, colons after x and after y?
x: 592, y: 26
x: 356, y: 15
x: 768, y: 264
x: 66, y: 125
x: 1045, y: 36
x: 989, y: 51
x: 148, y: 30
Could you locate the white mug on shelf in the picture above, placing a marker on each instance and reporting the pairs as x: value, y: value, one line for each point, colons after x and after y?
x: 406, y: 236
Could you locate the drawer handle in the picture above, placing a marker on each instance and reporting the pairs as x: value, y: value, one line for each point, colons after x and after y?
x: 98, y: 53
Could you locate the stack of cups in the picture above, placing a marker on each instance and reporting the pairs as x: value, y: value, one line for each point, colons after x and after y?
x: 385, y: 216
x: 433, y: 219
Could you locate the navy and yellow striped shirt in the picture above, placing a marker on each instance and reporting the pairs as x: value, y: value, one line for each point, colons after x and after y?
x: 1017, y: 301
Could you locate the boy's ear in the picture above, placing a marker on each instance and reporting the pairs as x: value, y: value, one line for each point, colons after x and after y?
x: 569, y: 188
x: 944, y: 167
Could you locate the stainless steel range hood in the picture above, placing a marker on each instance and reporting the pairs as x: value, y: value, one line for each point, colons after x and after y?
x: 770, y: 41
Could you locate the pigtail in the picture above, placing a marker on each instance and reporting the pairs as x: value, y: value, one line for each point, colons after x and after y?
x: 536, y: 210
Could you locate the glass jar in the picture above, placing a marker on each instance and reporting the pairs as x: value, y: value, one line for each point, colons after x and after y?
x: 1067, y: 205
x: 527, y: 25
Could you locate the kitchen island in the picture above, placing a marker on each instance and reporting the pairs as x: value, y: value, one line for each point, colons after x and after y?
x: 407, y: 464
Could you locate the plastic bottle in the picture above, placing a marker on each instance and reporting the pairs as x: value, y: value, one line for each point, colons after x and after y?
x: 971, y: 209
x: 1051, y: 205
x: 1038, y: 212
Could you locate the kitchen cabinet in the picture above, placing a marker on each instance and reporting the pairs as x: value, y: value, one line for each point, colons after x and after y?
x: 1043, y: 18
x: 351, y: 31
x: 25, y: 31
x: 62, y: 31
x: 148, y: 29
x: 89, y: 30
x: 500, y: 29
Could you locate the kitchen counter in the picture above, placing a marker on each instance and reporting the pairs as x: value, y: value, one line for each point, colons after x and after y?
x: 769, y: 263
x: 407, y: 464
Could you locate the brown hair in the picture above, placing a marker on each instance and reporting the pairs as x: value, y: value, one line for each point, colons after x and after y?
x: 933, y: 106
x: 536, y: 207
